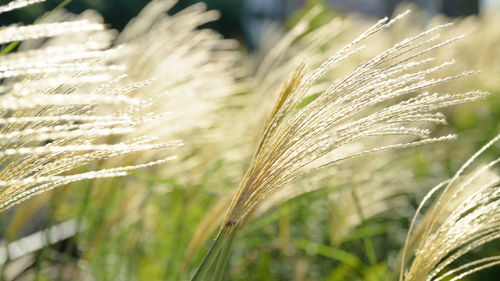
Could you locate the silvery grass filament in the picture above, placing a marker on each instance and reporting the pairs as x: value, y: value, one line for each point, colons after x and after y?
x: 368, y: 102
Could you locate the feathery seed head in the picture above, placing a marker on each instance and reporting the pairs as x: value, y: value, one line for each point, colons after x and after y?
x: 368, y: 102
x: 463, y: 217
x: 65, y: 104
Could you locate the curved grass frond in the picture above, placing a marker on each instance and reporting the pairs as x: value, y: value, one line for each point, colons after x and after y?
x: 65, y: 104
x: 349, y: 110
x: 18, y: 33
x: 17, y: 4
x: 463, y: 217
x: 370, y: 102
x: 195, y: 69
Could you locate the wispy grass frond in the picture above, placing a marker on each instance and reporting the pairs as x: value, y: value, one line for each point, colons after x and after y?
x: 65, y: 104
x: 353, y: 108
x: 376, y: 105
x: 463, y: 217
x: 18, y: 33
x: 17, y: 4
x: 195, y: 68
x: 195, y: 71
x: 114, y: 172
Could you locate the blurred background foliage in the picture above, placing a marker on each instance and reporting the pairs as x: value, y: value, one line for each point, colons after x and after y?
x: 140, y: 227
x: 237, y: 16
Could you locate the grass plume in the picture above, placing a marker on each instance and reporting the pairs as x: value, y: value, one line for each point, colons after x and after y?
x: 348, y: 111
x: 463, y: 217
x: 81, y: 102
x: 369, y: 102
x: 52, y: 105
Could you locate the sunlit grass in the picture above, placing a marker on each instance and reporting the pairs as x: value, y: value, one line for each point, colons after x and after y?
x: 346, y: 139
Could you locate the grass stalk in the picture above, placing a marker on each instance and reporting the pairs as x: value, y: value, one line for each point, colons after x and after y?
x: 52, y: 209
x: 66, y: 257
x: 370, y: 251
x: 177, y: 239
x: 213, y: 266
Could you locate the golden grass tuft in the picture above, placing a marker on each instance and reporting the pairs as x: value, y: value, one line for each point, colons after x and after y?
x: 368, y: 102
